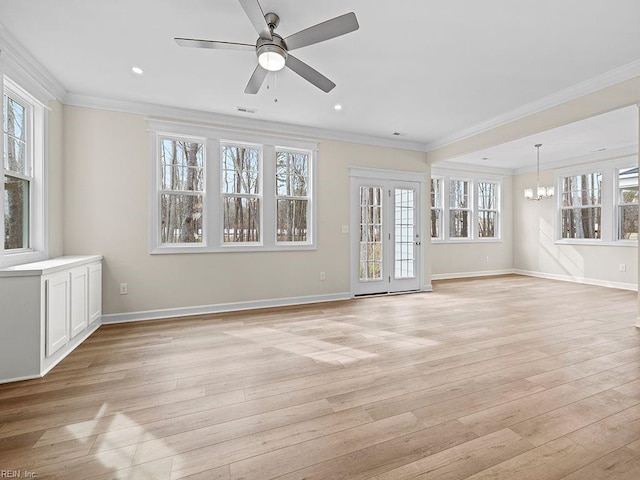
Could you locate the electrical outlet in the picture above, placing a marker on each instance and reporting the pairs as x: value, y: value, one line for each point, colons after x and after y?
x: 323, y: 276
x: 623, y: 267
x: 345, y: 228
x: 124, y: 289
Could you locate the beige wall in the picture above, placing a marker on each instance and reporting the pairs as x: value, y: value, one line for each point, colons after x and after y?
x: 451, y: 259
x: 55, y: 176
x: 536, y: 251
x: 106, y: 205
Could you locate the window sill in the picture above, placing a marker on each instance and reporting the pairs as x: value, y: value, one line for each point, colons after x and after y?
x: 467, y: 240
x: 229, y: 249
x: 22, y: 257
x: 597, y: 243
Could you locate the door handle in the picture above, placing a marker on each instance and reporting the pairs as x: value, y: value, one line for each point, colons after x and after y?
x: 417, y: 243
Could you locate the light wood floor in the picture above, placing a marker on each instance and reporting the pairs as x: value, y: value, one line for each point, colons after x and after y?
x: 502, y: 378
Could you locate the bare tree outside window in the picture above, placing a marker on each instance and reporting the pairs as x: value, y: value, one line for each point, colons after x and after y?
x: 181, y: 198
x: 17, y: 177
x: 436, y: 207
x: 241, y: 194
x: 628, y: 204
x: 292, y: 196
x: 581, y: 206
x: 459, y: 209
x: 487, y: 209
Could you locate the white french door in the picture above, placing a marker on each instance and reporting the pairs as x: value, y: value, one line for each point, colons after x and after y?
x: 385, y: 236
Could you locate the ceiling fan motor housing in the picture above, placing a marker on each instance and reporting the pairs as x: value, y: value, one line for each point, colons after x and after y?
x: 275, y: 45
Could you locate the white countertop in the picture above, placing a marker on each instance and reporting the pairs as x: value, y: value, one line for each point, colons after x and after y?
x: 48, y: 266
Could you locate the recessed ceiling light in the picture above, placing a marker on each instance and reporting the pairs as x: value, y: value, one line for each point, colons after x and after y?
x: 337, y: 106
x: 137, y: 70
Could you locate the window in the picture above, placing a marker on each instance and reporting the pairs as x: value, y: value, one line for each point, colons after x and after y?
x: 17, y: 174
x: 217, y: 190
x: 471, y: 206
x: 292, y: 196
x: 22, y: 210
x: 581, y: 215
x: 240, y: 194
x: 459, y: 209
x: 182, y: 191
x: 487, y: 209
x: 627, y: 217
x: 436, y: 207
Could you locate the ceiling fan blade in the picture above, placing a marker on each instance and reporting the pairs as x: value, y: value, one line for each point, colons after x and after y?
x: 309, y: 74
x: 323, y: 31
x: 256, y: 80
x: 194, y: 42
x: 256, y: 16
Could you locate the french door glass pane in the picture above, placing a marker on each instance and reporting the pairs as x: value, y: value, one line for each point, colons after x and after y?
x: 370, y: 234
x: 241, y: 219
x: 292, y: 220
x: 16, y: 213
x: 404, y: 233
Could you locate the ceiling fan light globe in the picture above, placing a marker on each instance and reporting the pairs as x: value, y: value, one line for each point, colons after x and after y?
x: 271, y: 58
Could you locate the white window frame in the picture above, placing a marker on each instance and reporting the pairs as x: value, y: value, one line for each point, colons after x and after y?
x: 609, y: 203
x: 496, y: 209
x: 36, y: 158
x: 259, y: 196
x: 473, y: 178
x: 619, y: 204
x: 308, y: 197
x: 214, y: 138
x: 161, y: 191
x: 437, y: 208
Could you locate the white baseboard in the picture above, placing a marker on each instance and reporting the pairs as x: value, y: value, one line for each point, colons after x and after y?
x: 427, y: 288
x: 221, y: 308
x: 486, y: 273
x: 586, y: 281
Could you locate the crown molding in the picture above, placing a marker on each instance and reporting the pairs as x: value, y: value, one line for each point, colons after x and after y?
x: 607, y: 79
x: 22, y: 64
x: 234, y: 122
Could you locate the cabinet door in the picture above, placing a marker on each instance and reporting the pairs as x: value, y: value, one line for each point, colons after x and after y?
x: 57, y: 310
x: 79, y: 300
x: 95, y: 292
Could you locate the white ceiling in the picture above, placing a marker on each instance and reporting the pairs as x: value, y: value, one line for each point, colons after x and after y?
x: 426, y: 68
x: 608, y: 135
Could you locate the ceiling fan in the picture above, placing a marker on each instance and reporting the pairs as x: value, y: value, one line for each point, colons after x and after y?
x: 273, y: 50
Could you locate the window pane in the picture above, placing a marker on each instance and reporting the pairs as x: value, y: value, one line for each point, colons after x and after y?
x: 628, y: 185
x: 487, y: 196
x: 370, y: 234
x: 241, y: 220
x: 487, y: 224
x: 292, y: 220
x: 581, y: 222
x: 459, y: 224
x: 582, y: 190
x: 459, y: 195
x: 436, y: 194
x: 628, y: 222
x: 15, y: 135
x: 181, y: 218
x: 292, y: 174
x: 16, y: 213
x: 435, y: 223
x: 182, y: 165
x: 240, y: 169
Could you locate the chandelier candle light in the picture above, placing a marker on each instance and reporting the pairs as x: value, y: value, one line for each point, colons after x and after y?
x: 542, y: 192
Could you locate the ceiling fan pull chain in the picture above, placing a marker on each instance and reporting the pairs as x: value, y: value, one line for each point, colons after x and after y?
x: 275, y: 87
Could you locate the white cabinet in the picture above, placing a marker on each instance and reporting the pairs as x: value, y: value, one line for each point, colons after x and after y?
x: 46, y: 310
